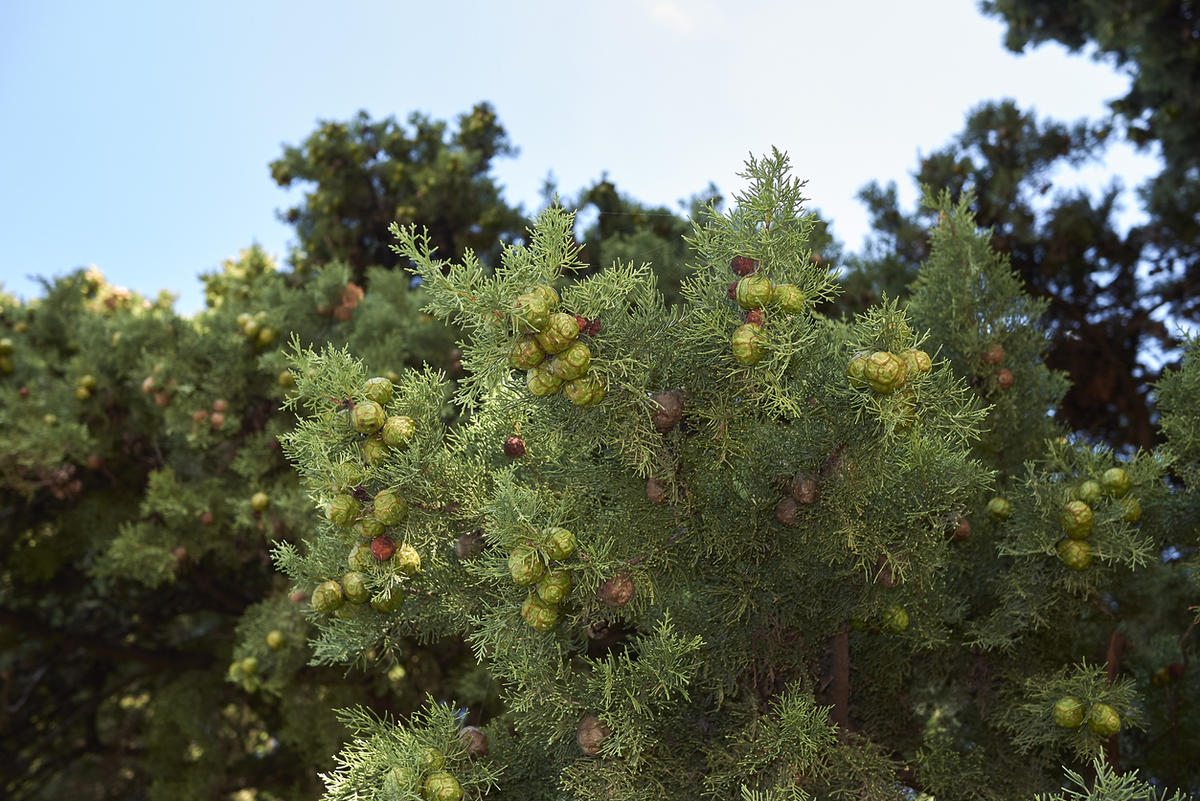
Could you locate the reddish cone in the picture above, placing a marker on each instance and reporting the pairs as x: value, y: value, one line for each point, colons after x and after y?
x: 382, y: 548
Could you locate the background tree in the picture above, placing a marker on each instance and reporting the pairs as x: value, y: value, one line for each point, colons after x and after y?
x: 625, y: 230
x: 1063, y: 244
x: 1157, y: 44
x: 363, y: 175
x: 1109, y: 292
x: 150, y: 650
x: 141, y: 482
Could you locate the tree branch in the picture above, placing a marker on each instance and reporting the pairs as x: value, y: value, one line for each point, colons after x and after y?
x: 1116, y: 646
x: 839, y: 681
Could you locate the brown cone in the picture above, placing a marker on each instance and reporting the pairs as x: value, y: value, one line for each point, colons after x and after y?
x: 885, y: 569
x: 474, y: 740
x: 469, y: 545
x: 884, y: 576
x: 590, y: 734
x: 742, y: 265
x: 382, y: 548
x: 804, y: 489
x: 671, y: 411
x: 962, y: 530
x: 617, y: 591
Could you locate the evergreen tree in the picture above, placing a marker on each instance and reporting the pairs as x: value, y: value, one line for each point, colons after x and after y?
x: 1112, y: 600
x: 364, y: 175
x: 1109, y: 292
x: 147, y: 640
x: 1102, y: 308
x: 732, y: 548
x: 1157, y: 44
x: 626, y: 230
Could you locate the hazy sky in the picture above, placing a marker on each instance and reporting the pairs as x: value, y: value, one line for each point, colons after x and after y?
x: 136, y: 136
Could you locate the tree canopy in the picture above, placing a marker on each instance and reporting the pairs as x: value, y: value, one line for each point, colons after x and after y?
x: 363, y: 175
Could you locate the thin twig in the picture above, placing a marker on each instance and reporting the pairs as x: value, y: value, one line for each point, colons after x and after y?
x: 637, y: 560
x: 839, y: 675
x: 1116, y: 646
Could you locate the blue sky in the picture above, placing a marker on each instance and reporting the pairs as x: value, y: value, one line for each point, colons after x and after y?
x: 136, y: 136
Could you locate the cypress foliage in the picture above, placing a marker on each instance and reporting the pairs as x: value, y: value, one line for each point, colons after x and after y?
x: 616, y: 543
x: 760, y: 553
x: 141, y: 483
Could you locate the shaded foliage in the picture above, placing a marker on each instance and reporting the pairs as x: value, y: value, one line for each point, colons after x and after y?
x: 362, y: 175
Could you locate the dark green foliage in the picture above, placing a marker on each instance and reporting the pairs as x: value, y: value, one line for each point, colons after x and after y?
x: 365, y: 175
x: 135, y: 562
x: 1063, y: 246
x: 1108, y: 292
